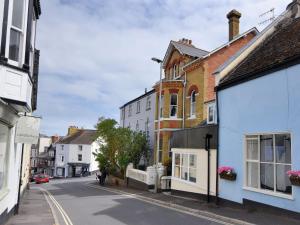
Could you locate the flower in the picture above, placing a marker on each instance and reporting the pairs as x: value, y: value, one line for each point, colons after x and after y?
x: 225, y: 169
x: 293, y: 173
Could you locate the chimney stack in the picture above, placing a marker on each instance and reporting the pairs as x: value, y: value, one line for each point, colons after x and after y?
x: 234, y: 23
x: 72, y: 130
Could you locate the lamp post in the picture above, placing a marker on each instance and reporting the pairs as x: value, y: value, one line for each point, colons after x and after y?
x: 158, y: 125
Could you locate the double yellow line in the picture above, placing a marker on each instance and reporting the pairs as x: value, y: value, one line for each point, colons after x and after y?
x: 64, y: 215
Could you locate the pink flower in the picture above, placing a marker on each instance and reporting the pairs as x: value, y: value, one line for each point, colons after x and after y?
x: 293, y: 173
x: 225, y: 169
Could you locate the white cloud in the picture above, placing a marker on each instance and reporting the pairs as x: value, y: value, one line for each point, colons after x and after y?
x: 95, y: 54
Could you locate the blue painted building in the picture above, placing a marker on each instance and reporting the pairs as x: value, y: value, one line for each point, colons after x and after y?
x: 259, y: 116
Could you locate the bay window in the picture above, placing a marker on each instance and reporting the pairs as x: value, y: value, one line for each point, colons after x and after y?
x: 162, y: 106
x: 17, y: 31
x: 268, y: 158
x: 173, y: 105
x: 185, y: 167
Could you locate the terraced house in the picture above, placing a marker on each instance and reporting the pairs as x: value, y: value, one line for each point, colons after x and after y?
x: 187, y: 90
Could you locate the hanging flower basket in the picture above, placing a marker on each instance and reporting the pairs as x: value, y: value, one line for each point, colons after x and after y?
x: 294, y: 177
x: 227, y: 173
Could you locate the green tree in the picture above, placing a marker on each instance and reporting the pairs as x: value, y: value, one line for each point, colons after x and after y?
x: 119, y: 146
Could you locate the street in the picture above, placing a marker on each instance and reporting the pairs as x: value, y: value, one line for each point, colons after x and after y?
x: 79, y: 203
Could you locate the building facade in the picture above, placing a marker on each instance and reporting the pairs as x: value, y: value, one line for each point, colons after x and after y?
x: 187, y: 95
x: 139, y: 114
x: 74, y: 155
x: 19, y: 62
x: 259, y: 136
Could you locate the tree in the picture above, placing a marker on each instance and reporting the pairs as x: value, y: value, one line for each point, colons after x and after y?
x: 119, y: 146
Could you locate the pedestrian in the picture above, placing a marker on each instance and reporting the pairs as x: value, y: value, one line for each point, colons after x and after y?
x: 103, y: 175
x: 99, y: 178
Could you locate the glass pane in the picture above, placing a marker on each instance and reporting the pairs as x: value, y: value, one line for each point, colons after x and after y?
x: 252, y: 174
x: 173, y: 99
x: 3, y: 149
x: 252, y: 149
x: 17, y: 18
x: 192, y: 177
x: 184, y: 161
x: 193, y: 108
x: 184, y: 173
x: 160, y: 156
x: 193, y: 97
x: 283, y: 148
x: 173, y: 111
x: 266, y: 148
x: 193, y: 160
x: 210, y: 114
x: 267, y: 176
x: 177, y: 171
x: 283, y: 183
x: 177, y: 159
x: 14, y: 45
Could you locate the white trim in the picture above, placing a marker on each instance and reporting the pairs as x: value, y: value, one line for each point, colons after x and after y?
x: 271, y: 193
x: 185, y: 181
x: 168, y: 119
x: 167, y: 129
x: 176, y: 115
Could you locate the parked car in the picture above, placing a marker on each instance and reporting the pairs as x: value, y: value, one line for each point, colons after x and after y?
x: 32, y: 177
x: 42, y: 178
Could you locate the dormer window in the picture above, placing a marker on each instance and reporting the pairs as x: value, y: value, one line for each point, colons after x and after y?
x: 174, y: 71
x: 16, y: 31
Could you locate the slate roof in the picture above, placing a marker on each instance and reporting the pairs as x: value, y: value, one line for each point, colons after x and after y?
x: 279, y: 49
x: 189, y: 49
x: 84, y: 137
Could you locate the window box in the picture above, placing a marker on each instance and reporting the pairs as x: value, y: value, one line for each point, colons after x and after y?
x: 295, y: 180
x: 228, y: 176
x: 227, y: 173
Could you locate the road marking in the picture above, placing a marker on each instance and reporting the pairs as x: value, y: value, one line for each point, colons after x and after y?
x: 197, y: 213
x: 64, y: 215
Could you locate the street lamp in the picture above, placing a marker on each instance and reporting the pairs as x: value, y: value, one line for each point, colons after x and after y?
x: 158, y: 126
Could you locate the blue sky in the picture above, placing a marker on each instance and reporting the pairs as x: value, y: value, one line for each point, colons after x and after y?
x: 95, y: 54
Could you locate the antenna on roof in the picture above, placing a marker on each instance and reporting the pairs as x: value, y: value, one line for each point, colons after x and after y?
x: 270, y: 12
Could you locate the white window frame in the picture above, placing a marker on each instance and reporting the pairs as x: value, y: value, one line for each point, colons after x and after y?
x: 160, y: 150
x: 176, y: 115
x: 137, y: 126
x: 78, y: 157
x: 80, y: 147
x: 148, y: 103
x: 162, y: 102
x: 138, y: 107
x: 193, y: 105
x: 180, y: 167
x: 130, y: 110
x: 23, y: 31
x: 258, y: 161
x: 174, y: 71
x: 213, y: 106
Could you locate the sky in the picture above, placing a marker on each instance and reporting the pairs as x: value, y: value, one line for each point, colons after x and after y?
x: 96, y: 54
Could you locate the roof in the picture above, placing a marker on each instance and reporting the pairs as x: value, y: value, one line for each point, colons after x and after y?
x: 184, y: 49
x: 138, y: 98
x: 84, y: 137
x: 277, y: 50
x: 236, y: 38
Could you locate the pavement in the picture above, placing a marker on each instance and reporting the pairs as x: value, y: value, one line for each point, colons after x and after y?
x: 34, y: 210
x: 81, y: 201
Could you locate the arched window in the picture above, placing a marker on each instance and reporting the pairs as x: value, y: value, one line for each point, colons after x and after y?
x: 193, y: 103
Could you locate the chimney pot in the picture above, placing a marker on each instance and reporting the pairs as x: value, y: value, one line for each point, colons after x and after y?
x: 234, y: 23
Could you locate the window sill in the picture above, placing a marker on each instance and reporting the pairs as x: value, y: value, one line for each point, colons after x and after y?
x: 185, y: 181
x: 192, y: 118
x: 271, y: 193
x: 3, y: 193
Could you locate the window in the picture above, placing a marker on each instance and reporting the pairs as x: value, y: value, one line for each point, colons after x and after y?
x: 148, y: 103
x: 62, y: 158
x: 174, y: 71
x: 79, y: 157
x: 80, y: 147
x: 130, y: 111
x: 4, y: 137
x: 211, y: 113
x: 193, y: 103
x: 173, y: 105
x: 147, y: 128
x: 268, y: 158
x: 138, y: 107
x: 137, y: 126
x: 33, y: 40
x: 160, y: 147
x: 62, y: 147
x: 162, y: 107
x: 185, y: 167
x: 16, y: 31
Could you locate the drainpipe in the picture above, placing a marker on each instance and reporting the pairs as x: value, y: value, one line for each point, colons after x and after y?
x: 183, y: 100
x: 218, y: 139
x: 207, y: 148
